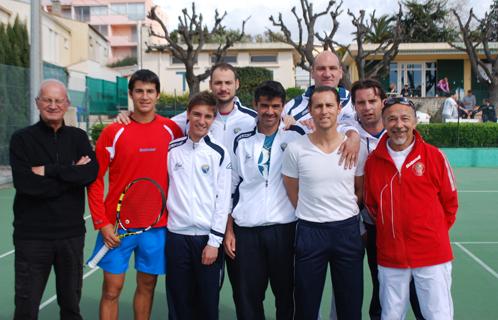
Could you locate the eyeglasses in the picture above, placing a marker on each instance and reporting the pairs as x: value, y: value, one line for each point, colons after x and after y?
x: 398, y: 100
x: 48, y: 101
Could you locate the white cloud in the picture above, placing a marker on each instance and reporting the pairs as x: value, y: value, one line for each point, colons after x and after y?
x: 260, y: 11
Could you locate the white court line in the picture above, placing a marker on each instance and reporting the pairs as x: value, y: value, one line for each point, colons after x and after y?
x: 476, y: 242
x: 476, y: 259
x: 6, y: 254
x: 52, y: 298
x: 12, y: 251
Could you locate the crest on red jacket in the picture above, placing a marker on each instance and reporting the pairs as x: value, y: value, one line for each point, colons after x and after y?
x: 418, y: 169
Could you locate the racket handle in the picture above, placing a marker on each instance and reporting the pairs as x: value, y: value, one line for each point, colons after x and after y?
x: 96, y: 259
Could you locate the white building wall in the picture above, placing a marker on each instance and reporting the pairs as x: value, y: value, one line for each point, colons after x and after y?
x: 171, y: 77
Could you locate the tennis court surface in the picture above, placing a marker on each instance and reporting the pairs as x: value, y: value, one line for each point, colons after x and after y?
x: 475, y: 268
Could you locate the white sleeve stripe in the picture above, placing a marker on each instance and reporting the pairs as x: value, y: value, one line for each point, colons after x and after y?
x: 451, y: 177
x: 112, y: 150
x: 170, y: 132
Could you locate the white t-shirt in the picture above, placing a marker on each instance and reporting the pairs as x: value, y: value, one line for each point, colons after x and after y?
x: 450, y: 108
x: 399, y: 157
x: 326, y: 189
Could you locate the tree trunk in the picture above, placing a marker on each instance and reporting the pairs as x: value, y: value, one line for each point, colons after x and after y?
x: 493, y: 92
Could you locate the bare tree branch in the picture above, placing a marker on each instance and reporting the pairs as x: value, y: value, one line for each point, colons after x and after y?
x: 192, y: 37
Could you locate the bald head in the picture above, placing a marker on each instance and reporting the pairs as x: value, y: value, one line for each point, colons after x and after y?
x: 48, y: 84
x: 52, y: 102
x: 326, y: 69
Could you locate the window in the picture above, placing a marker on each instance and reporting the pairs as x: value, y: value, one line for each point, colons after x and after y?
x: 419, y: 76
x: 175, y: 60
x: 82, y: 13
x: 228, y: 59
x: 102, y: 29
x: 118, y: 9
x: 98, y: 11
x: 136, y: 11
x: 264, y: 58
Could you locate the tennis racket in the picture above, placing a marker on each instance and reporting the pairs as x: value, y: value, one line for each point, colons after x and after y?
x: 140, y: 206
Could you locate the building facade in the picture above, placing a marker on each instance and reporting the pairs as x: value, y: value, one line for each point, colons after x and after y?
x: 277, y: 57
x: 120, y: 21
x: 422, y: 65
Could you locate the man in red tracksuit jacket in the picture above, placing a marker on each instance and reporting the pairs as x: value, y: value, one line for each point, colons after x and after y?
x: 411, y: 192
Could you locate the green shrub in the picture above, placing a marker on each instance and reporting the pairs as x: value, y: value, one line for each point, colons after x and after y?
x: 250, y: 78
x: 463, y: 135
x: 127, y: 61
x: 169, y: 101
x: 293, y: 92
x: 95, y: 131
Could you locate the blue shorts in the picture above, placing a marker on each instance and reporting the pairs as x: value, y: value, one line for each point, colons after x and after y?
x: 150, y: 255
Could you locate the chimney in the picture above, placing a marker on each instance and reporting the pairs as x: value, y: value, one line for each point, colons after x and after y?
x: 56, y: 8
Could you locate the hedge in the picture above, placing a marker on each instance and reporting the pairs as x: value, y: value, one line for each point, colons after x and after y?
x: 250, y: 78
x: 463, y: 135
x: 291, y: 93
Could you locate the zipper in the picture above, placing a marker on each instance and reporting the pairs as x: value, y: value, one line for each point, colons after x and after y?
x: 56, y: 142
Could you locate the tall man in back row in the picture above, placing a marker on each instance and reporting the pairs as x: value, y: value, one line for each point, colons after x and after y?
x: 51, y: 165
x: 137, y: 150
x: 410, y: 191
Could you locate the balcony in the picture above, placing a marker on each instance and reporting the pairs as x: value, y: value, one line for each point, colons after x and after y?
x: 124, y: 41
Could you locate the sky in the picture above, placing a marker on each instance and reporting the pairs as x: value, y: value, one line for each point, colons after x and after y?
x: 260, y: 11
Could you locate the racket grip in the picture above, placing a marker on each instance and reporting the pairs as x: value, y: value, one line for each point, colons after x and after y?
x: 96, y: 259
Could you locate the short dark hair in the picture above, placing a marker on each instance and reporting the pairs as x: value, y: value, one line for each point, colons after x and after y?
x: 325, y: 89
x: 367, y: 84
x: 223, y: 66
x: 270, y: 89
x: 144, y: 75
x: 204, y: 98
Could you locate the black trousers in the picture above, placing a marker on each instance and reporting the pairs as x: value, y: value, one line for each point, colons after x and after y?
x: 33, y: 262
x: 192, y: 288
x: 340, y: 245
x: 263, y: 254
x: 375, y: 309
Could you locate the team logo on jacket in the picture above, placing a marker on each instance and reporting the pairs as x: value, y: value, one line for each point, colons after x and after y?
x: 418, y: 169
x: 236, y: 130
x: 178, y: 165
x: 283, y: 146
x: 205, y: 168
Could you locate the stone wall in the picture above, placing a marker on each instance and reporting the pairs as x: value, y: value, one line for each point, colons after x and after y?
x: 430, y: 105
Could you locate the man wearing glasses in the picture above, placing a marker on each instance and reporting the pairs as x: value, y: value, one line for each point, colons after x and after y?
x: 410, y: 192
x: 368, y: 96
x: 51, y: 165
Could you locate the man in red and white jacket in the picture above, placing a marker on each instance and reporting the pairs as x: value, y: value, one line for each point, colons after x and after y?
x: 411, y: 192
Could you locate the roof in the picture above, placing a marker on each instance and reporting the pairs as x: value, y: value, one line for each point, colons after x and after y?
x: 428, y: 48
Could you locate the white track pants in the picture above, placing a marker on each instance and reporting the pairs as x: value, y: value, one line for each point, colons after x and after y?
x: 433, y: 285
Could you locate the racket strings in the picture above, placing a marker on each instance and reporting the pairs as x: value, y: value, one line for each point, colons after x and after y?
x: 141, y: 206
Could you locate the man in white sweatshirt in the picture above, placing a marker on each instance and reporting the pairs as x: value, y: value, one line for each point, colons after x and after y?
x: 199, y: 171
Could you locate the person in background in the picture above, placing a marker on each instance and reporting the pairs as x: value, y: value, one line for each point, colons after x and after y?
x: 406, y: 91
x: 469, y: 103
x: 488, y: 111
x: 443, y: 87
x: 450, y: 108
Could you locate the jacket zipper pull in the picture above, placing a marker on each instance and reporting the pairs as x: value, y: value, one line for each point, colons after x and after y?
x: 266, y: 183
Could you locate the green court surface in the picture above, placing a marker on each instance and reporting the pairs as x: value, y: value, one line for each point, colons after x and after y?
x: 475, y: 268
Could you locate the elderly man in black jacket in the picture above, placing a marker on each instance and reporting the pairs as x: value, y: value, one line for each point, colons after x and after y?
x: 51, y: 165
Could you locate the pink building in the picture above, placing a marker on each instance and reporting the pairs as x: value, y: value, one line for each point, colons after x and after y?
x: 118, y: 20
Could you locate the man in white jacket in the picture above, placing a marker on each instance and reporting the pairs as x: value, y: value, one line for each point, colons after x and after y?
x: 199, y: 171
x: 259, y: 238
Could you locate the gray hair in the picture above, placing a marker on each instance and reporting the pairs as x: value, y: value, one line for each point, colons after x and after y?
x: 52, y: 81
